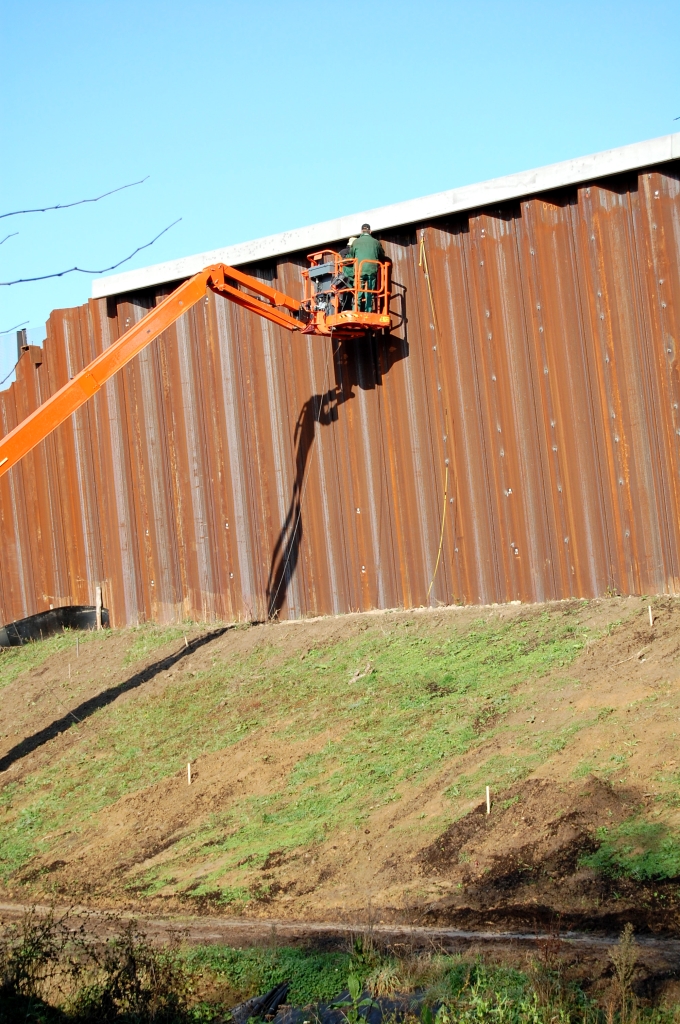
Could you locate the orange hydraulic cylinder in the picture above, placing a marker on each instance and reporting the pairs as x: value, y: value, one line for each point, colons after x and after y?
x: 27, y: 434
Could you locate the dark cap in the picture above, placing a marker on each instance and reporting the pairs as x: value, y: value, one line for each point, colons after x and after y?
x: 365, y: 227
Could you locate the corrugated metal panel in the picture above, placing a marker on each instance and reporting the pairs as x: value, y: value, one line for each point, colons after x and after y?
x: 516, y: 438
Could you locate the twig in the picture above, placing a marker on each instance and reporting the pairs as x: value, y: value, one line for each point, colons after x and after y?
x: 10, y: 329
x: 79, y: 202
x: 638, y: 655
x: 81, y: 270
x: 359, y: 674
x: 8, y: 236
x: 10, y: 373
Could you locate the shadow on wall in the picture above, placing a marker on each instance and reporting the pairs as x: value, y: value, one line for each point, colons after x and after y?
x: 358, y: 363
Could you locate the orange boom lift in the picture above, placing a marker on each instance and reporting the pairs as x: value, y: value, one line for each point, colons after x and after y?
x: 332, y: 304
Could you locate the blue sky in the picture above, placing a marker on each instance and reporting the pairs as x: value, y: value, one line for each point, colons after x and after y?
x: 250, y: 118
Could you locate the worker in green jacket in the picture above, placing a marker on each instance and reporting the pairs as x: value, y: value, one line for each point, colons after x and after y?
x: 366, y: 247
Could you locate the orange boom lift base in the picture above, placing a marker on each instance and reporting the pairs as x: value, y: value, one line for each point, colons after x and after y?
x: 332, y: 305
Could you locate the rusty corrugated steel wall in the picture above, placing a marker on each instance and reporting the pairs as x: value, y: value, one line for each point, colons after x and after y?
x: 517, y: 438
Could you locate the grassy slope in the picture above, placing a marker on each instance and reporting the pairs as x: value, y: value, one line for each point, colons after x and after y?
x: 59, y: 793
x: 383, y: 707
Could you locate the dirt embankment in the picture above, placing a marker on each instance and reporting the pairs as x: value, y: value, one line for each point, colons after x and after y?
x: 522, y: 864
x: 432, y: 857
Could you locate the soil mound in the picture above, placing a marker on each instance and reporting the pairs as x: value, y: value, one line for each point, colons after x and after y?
x: 522, y: 864
x: 537, y: 828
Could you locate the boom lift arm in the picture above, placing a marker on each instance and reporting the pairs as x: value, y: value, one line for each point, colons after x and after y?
x: 332, y: 303
x: 59, y: 406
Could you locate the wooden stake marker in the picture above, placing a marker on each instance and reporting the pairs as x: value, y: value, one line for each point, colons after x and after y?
x: 189, y: 773
x: 488, y: 800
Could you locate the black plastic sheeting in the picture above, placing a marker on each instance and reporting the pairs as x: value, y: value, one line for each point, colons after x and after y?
x: 44, y: 624
x: 272, y: 1008
x: 261, y: 1007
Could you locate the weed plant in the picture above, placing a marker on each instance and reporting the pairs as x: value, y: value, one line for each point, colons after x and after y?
x: 50, y: 971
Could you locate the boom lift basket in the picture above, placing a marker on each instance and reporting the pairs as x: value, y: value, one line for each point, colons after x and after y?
x: 346, y: 297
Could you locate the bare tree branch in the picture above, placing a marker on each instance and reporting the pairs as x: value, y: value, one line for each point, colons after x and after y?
x: 80, y: 270
x: 79, y: 202
x: 9, y: 236
x: 9, y: 374
x: 16, y: 326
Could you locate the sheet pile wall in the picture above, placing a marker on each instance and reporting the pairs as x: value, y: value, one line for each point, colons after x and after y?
x: 516, y: 438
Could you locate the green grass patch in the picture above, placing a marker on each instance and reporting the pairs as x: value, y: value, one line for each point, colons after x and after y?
x: 638, y: 849
x: 499, y: 772
x: 429, y: 697
x: 149, y: 637
x: 554, y: 742
x: 317, y: 977
x: 144, y: 640
x: 314, y: 977
x: 15, y: 660
x: 20, y: 840
x: 452, y: 989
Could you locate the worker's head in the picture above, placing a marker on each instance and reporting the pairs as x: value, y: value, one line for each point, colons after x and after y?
x: 352, y: 240
x: 365, y: 229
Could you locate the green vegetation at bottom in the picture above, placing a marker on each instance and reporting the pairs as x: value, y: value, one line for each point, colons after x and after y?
x: 313, y: 977
x: 51, y: 974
